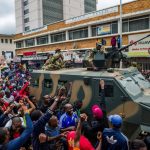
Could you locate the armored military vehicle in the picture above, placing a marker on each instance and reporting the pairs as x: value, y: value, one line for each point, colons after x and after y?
x: 127, y: 92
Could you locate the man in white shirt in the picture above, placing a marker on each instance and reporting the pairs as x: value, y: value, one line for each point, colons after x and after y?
x: 8, y: 98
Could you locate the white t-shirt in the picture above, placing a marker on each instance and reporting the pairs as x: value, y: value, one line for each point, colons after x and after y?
x: 9, y: 100
x: 9, y: 123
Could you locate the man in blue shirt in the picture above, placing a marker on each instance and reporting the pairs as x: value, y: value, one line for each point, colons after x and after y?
x: 69, y: 119
x: 113, y: 138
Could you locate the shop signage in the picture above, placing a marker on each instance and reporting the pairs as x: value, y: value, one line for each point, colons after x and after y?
x: 94, y: 14
x: 34, y: 58
x: 29, y: 53
x: 105, y: 29
x: 138, y: 54
x: 141, y: 46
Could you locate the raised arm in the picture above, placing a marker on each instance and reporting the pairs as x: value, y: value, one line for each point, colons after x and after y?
x: 41, y: 122
x: 18, y: 142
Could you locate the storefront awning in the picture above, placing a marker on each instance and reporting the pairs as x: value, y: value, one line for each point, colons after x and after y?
x: 138, y: 54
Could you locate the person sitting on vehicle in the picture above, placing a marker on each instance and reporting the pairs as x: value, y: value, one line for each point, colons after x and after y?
x: 113, y: 138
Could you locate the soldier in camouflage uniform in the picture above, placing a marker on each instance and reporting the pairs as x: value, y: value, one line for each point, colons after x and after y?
x: 89, y: 63
x: 54, y: 62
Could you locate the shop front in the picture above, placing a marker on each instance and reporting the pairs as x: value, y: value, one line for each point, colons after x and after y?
x: 32, y: 60
x: 140, y: 51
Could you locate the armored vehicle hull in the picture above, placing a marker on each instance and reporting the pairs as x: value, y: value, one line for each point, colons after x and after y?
x: 126, y: 93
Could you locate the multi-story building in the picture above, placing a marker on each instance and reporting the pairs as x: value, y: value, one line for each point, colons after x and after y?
x: 81, y: 33
x: 32, y: 14
x: 7, y: 46
x: 89, y: 5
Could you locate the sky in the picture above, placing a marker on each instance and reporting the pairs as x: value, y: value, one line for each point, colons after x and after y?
x: 7, y: 13
x: 7, y: 17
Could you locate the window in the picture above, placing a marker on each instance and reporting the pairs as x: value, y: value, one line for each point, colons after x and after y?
x: 109, y: 90
x: 58, y: 37
x: 19, y: 44
x: 27, y: 28
x: 104, y: 29
x: 26, y: 11
x: 114, y: 28
x: 25, y: 3
x: 6, y: 40
x: 78, y: 34
x: 26, y: 20
x: 125, y: 27
x: 42, y: 40
x: 2, y: 41
x: 48, y: 83
x: 140, y: 24
x: 30, y: 42
x: 94, y: 33
x: 10, y: 41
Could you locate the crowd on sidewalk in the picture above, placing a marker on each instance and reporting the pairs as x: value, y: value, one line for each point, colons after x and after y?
x: 55, y: 124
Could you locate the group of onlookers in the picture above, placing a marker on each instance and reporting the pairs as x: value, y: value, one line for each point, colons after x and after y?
x: 55, y: 123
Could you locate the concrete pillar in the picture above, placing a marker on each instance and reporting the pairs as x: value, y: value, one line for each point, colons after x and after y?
x: 49, y: 38
x: 35, y: 41
x: 24, y: 45
x: 89, y: 31
x: 67, y: 35
x: 119, y: 26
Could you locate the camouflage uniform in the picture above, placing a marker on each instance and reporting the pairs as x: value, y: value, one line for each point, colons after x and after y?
x: 54, y: 62
x: 89, y: 58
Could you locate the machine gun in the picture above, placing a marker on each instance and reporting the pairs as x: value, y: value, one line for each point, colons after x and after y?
x: 110, y: 59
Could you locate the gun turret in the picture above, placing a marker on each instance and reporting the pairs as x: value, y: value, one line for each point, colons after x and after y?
x: 111, y: 53
x: 103, y: 60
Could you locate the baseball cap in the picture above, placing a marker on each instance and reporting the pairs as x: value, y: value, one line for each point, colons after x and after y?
x: 115, y: 119
x: 97, y: 112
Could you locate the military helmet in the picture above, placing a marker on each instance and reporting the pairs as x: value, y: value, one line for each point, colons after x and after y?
x: 58, y: 50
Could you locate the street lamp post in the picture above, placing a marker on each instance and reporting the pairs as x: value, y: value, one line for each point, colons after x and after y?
x: 120, y: 29
x: 120, y: 23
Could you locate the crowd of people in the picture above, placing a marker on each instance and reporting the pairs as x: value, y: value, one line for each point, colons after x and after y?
x: 55, y: 124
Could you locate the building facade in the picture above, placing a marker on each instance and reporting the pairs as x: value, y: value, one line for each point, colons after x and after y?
x: 7, y: 46
x: 89, y: 5
x: 32, y: 14
x: 81, y: 33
